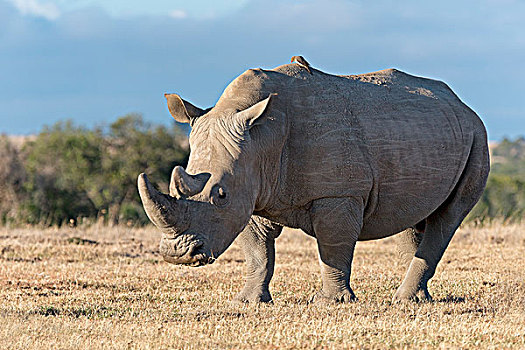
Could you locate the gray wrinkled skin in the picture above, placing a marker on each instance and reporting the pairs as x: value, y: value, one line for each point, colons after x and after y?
x: 344, y: 158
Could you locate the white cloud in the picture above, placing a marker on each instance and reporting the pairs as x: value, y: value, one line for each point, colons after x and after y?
x: 47, y: 10
x: 139, y: 8
x: 178, y: 14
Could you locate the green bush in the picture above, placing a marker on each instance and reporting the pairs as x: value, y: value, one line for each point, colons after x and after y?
x: 12, y: 178
x: 504, y: 195
x: 73, y: 172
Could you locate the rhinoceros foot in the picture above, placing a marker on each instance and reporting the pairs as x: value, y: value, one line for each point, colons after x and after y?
x: 250, y: 296
x: 404, y: 296
x: 345, y: 296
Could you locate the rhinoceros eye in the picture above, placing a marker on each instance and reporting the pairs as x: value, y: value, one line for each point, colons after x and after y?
x: 219, y: 196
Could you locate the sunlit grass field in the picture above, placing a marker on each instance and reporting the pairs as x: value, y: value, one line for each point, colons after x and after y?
x: 101, y: 287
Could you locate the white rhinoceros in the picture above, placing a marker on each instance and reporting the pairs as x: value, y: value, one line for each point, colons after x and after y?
x: 343, y: 158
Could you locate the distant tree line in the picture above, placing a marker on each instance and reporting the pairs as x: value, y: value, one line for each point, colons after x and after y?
x: 69, y: 174
x: 73, y: 175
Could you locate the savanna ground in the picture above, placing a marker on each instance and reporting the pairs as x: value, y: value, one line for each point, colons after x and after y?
x: 102, y: 287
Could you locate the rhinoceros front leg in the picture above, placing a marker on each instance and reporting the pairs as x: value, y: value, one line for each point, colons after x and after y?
x: 337, y: 223
x: 258, y: 243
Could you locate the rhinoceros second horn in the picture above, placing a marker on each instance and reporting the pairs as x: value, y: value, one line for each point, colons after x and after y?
x: 183, y: 184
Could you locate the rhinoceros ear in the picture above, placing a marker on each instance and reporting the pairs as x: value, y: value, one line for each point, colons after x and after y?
x: 183, y: 111
x: 256, y: 115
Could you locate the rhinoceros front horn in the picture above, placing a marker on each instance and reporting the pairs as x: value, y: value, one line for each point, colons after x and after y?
x: 167, y: 213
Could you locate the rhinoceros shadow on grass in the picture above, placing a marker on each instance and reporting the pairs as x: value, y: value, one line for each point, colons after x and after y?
x: 344, y: 158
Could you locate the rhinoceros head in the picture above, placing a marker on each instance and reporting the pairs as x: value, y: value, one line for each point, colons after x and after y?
x: 211, y: 201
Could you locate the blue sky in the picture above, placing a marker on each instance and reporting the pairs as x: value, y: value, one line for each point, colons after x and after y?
x: 93, y: 61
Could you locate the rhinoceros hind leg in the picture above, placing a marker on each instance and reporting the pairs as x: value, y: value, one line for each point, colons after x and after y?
x: 257, y: 241
x: 337, y: 223
x: 414, y: 287
x: 407, y: 243
x: 442, y: 224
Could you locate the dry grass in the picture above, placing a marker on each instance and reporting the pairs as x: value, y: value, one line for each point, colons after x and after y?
x: 60, y: 291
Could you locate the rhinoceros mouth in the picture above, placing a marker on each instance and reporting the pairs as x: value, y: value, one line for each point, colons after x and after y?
x: 196, y: 260
x: 194, y: 255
